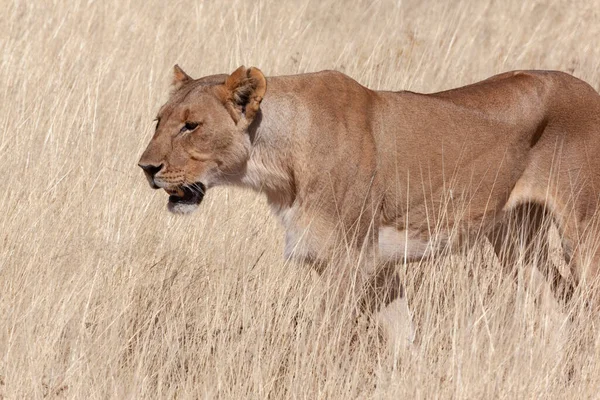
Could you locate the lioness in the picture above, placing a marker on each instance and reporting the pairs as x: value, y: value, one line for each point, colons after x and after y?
x: 392, y: 176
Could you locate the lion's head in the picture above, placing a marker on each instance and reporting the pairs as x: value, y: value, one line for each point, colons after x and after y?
x: 201, y: 136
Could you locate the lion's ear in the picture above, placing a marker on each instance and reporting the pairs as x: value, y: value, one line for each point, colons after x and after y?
x: 246, y: 88
x: 180, y: 78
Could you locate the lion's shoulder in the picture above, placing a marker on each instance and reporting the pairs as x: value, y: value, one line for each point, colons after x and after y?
x: 324, y: 78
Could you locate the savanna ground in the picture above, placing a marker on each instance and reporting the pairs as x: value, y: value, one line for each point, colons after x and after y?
x: 103, y: 294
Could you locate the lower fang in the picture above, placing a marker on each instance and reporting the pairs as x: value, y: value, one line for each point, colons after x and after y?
x: 176, y: 192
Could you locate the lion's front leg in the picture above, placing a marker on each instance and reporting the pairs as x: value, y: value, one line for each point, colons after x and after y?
x: 385, y: 299
x: 355, y: 279
x: 357, y: 284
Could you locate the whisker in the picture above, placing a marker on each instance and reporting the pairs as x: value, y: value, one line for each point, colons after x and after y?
x: 197, y: 187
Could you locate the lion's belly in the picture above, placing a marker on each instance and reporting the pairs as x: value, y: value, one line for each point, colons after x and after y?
x: 406, y: 245
x: 308, y: 242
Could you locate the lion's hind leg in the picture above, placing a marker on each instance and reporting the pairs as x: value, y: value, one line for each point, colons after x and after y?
x: 522, y: 238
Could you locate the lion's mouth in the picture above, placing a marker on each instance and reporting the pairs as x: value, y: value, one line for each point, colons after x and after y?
x: 186, y: 195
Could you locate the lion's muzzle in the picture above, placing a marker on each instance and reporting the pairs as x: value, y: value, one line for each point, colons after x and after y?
x: 150, y: 171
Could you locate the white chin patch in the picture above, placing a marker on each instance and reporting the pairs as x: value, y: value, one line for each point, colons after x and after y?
x: 181, y: 208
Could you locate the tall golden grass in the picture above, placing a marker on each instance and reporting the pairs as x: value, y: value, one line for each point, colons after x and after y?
x: 103, y: 294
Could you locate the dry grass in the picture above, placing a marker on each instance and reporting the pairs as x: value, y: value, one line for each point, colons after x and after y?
x: 103, y: 294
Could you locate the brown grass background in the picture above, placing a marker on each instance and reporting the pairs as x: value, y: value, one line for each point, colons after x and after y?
x: 103, y: 294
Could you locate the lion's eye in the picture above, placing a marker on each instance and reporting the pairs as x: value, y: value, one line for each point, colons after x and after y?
x: 189, y: 126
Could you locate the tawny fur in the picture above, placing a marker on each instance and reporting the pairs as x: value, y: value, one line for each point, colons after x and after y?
x: 405, y: 173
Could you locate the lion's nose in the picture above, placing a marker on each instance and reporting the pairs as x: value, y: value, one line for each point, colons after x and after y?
x: 151, y: 169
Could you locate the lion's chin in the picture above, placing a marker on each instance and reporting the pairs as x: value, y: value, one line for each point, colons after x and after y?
x: 181, y: 208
